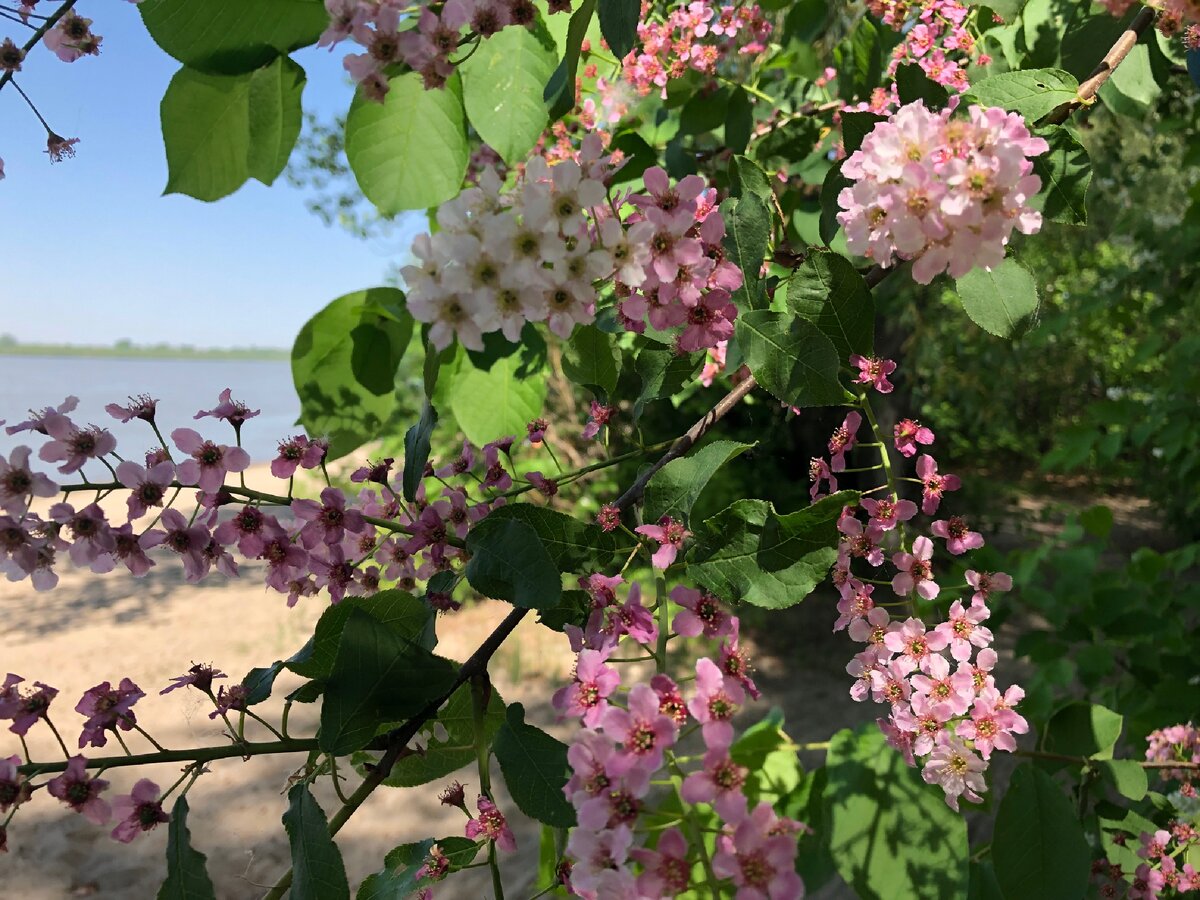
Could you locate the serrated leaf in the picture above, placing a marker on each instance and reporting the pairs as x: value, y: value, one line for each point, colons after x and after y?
x: 395, y: 610
x: 618, y: 23
x: 1003, y: 302
x: 187, y: 877
x: 411, y: 151
x: 739, y: 120
x: 573, y: 545
x: 535, y: 769
x: 592, y: 360
x: 230, y: 37
x: 220, y: 130
x: 333, y: 401
x: 502, y: 84
x: 791, y: 358
x: 317, y: 869
x: 913, y: 84
x: 833, y: 184
x: 1031, y: 92
x: 663, y: 373
x: 1066, y: 173
x: 828, y: 291
x: 747, y: 177
x: 398, y: 880
x: 508, y: 562
x: 377, y: 676
x: 891, y: 835
x: 674, y: 489
x: 747, y: 234
x: 725, y: 559
x: 559, y: 93
x: 417, y: 445
x: 499, y: 401
x: 1039, y: 849
x: 793, y: 537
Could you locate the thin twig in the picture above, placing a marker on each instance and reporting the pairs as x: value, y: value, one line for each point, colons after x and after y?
x: 51, y: 21
x: 1113, y: 58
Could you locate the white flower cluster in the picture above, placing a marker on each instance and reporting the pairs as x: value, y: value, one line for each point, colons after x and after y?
x: 532, y: 254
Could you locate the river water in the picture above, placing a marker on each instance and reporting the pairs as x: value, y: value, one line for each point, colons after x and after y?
x: 181, y: 386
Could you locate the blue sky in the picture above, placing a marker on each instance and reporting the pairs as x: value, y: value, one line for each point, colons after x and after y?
x: 93, y: 253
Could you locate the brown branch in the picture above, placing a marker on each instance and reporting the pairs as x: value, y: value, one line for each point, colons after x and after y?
x: 50, y: 22
x: 1113, y: 58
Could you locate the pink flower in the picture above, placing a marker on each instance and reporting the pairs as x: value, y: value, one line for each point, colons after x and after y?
x: 587, y: 697
x: 666, y: 871
x: 328, y: 521
x: 18, y: 483
x: 873, y: 371
x: 71, y: 445
x: 298, y: 451
x: 491, y: 825
x: 842, y: 440
x: 72, y: 38
x: 209, y: 462
x: 957, y: 770
x: 988, y: 727
x: 719, y: 783
x: 715, y: 702
x: 915, y: 570
x: 670, y: 536
x: 24, y: 709
x: 460, y: 464
x: 818, y: 471
x: 147, y: 486
x: 141, y: 407
x: 887, y: 513
x: 959, y: 539
x: 908, y: 433
x: 14, y: 790
x: 701, y: 613
x: 760, y: 860
x: 74, y: 788
x: 855, y: 603
x: 934, y: 484
x: 93, y: 539
x: 232, y: 411
x: 987, y: 582
x: 106, y: 709
x: 964, y: 629
x: 598, y: 417
x: 913, y: 643
x: 709, y: 322
x: 600, y: 863
x: 200, y: 676
x: 860, y: 542
x: 735, y: 661
x: 128, y: 550
x: 940, y: 686
x: 189, y: 541
x: 139, y: 811
x: 497, y: 476
x: 642, y: 728
x: 548, y: 487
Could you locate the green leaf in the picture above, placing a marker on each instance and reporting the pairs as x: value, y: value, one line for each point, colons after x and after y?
x: 1039, y: 849
x: 725, y: 559
x: 1083, y: 729
x: 913, y: 84
x: 259, y: 681
x: 443, y: 758
x: 187, y: 877
x: 1003, y: 302
x: 508, y: 562
x: 411, y: 151
x: 377, y: 676
x: 983, y: 884
x: 490, y: 404
x: 704, y: 112
x: 856, y: 126
x: 891, y: 835
x: 573, y: 545
x: 828, y: 291
x: 398, y: 880
x: 674, y: 489
x: 1066, y: 172
x: 663, y: 374
x: 618, y: 23
x: 1031, y: 92
x: 805, y: 534
x: 859, y: 61
x: 394, y: 610
x: 220, y: 130
x: 317, y: 869
x: 747, y: 177
x: 230, y: 37
x: 833, y: 184
x: 559, y: 93
x: 417, y: 446
x: 502, y: 84
x: 739, y: 120
x: 351, y: 333
x: 791, y: 141
x: 535, y: 769
x: 592, y: 360
x: 1097, y: 521
x: 573, y: 609
x: 1127, y: 776
x: 791, y: 358
x: 748, y: 231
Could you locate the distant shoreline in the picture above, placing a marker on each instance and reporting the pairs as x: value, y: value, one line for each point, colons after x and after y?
x: 132, y: 351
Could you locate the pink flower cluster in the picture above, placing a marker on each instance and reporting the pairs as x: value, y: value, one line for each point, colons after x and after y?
x: 1173, y: 14
x: 694, y: 36
x: 1162, y: 873
x: 427, y: 48
x: 627, y: 738
x: 935, y: 38
x: 502, y: 259
x: 944, y: 703
x: 339, y: 542
x: 944, y: 192
x: 1177, y: 743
